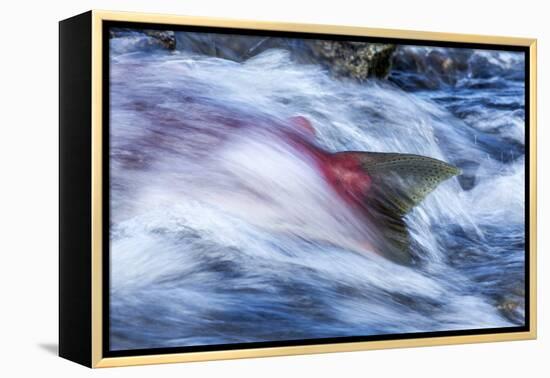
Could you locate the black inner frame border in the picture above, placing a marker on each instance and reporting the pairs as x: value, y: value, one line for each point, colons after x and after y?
x: 106, y: 352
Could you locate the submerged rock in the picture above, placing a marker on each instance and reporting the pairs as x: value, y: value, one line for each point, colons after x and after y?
x: 512, y: 304
x: 226, y: 46
x: 513, y: 309
x: 427, y: 67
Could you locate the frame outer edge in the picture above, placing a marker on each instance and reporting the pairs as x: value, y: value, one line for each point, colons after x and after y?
x: 310, y: 349
x: 74, y: 278
x: 310, y: 28
x: 97, y: 174
x: 533, y: 188
x: 98, y: 16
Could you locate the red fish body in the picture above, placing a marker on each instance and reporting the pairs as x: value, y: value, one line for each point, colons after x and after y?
x: 343, y: 172
x: 382, y: 187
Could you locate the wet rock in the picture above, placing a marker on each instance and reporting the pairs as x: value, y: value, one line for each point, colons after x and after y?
x: 344, y: 59
x: 356, y: 60
x: 512, y: 304
x: 166, y: 37
x: 512, y: 309
x: 508, y: 305
x: 146, y: 39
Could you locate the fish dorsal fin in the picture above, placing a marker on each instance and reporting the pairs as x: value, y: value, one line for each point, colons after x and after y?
x: 398, y: 182
x: 303, y: 124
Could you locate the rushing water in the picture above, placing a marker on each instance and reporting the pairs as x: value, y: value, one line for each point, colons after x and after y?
x: 221, y: 233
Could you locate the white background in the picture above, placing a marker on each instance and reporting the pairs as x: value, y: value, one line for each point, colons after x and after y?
x: 29, y: 189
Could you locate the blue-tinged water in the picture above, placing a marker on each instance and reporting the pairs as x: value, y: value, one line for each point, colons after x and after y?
x: 222, y: 234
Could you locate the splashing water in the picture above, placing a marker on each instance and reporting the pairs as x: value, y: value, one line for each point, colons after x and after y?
x: 221, y: 233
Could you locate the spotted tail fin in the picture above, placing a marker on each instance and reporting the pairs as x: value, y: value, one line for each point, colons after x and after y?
x: 399, y: 182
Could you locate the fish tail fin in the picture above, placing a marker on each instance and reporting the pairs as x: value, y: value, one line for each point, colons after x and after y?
x: 398, y: 182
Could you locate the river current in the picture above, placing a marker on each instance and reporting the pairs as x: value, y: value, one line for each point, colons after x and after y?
x: 221, y: 234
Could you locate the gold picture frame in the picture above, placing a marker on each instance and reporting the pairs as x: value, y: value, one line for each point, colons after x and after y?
x: 92, y: 355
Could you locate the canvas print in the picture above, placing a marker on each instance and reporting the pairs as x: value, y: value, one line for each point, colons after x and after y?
x: 278, y: 188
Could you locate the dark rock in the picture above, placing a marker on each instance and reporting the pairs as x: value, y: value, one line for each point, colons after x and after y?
x: 165, y: 37
x: 345, y: 59
x: 156, y: 38
x: 513, y: 309
x: 512, y: 304
x: 355, y: 60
